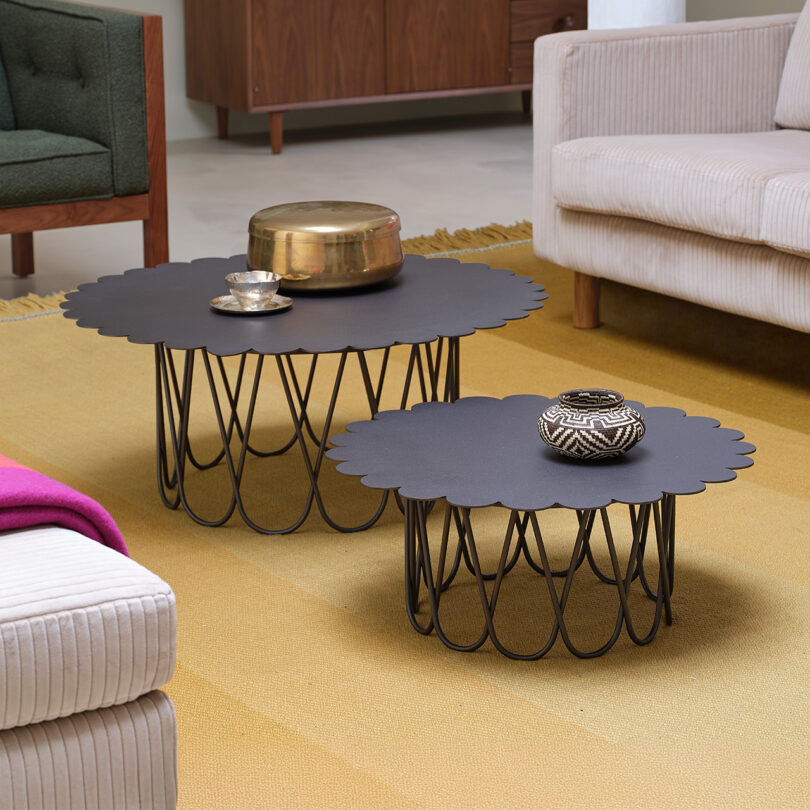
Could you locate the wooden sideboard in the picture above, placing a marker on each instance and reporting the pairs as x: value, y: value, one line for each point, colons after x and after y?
x: 269, y: 56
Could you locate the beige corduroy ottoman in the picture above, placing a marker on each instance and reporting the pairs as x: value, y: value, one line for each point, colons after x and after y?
x: 86, y: 637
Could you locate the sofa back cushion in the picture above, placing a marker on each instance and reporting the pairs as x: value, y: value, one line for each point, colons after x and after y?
x: 793, y: 104
x: 6, y: 110
x: 78, y: 71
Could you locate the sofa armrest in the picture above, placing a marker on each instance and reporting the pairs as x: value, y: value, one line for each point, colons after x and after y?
x: 718, y: 76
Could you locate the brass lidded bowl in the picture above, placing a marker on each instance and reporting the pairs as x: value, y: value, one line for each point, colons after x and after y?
x: 325, y: 245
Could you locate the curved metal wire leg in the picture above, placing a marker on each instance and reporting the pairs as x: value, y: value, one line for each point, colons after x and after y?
x: 556, y: 603
x: 228, y: 422
x: 179, y: 438
x: 417, y: 533
x: 452, y: 372
x: 622, y: 586
x: 462, y: 533
x: 432, y: 590
x: 562, y: 572
x: 576, y: 561
x: 178, y: 428
x: 427, y: 372
x: 668, y: 540
x: 236, y: 474
x: 232, y: 392
x: 313, y: 469
x: 183, y: 400
x: 170, y: 393
x: 665, y: 540
x: 639, y: 571
x: 507, y: 559
x: 235, y: 471
x: 414, y: 572
x: 234, y: 402
x: 165, y: 479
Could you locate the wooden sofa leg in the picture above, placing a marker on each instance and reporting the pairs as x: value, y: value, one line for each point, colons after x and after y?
x: 586, y: 301
x: 22, y: 253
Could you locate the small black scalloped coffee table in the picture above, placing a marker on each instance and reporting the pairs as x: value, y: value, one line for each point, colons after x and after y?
x: 478, y: 452
x: 428, y: 306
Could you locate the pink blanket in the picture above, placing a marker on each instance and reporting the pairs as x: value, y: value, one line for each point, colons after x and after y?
x: 29, y: 498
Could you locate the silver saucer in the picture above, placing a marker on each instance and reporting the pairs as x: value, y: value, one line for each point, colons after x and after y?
x: 229, y: 305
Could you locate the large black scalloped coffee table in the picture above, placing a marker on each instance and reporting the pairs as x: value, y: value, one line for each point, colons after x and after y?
x: 429, y: 306
x: 478, y: 452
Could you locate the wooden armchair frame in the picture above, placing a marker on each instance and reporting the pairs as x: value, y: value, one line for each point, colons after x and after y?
x: 151, y: 207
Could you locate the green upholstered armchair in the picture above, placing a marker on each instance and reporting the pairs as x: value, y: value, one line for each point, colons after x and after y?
x: 82, y: 123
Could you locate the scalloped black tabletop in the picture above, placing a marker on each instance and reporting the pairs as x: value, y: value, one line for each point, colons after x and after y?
x: 480, y: 451
x: 429, y: 298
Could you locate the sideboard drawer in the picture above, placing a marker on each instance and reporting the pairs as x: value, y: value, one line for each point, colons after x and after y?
x: 534, y: 18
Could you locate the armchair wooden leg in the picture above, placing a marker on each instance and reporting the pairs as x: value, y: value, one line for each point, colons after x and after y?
x: 22, y: 253
x: 586, y: 301
x: 155, y: 240
x: 276, y: 131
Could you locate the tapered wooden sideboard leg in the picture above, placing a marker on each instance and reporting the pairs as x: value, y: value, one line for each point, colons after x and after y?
x: 526, y: 101
x: 222, y: 123
x: 586, y: 301
x: 22, y: 253
x: 276, y: 131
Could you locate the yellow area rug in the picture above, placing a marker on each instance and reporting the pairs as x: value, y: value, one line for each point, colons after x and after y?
x: 300, y: 682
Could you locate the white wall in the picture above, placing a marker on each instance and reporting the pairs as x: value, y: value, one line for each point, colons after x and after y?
x: 720, y: 9
x: 192, y: 119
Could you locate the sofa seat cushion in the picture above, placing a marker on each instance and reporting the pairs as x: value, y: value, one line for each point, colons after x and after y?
x: 709, y: 183
x: 786, y: 213
x: 81, y: 626
x: 43, y: 167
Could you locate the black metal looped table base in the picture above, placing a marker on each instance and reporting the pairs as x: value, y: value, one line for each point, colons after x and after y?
x: 426, y: 579
x: 432, y: 375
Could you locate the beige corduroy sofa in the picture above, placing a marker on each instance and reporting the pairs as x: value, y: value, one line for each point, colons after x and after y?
x: 677, y: 159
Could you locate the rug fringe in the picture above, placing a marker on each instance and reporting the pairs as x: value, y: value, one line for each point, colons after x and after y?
x: 438, y: 242
x: 493, y: 234
x: 30, y: 304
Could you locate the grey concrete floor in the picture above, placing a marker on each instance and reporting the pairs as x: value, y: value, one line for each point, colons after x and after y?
x: 436, y: 174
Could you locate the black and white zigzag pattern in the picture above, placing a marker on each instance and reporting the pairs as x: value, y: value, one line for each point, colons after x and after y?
x: 590, y: 434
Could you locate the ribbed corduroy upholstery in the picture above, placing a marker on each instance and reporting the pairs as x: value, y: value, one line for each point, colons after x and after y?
x: 793, y: 106
x: 119, y: 757
x: 751, y: 280
x: 711, y: 77
x: 718, y: 76
x: 714, y: 184
x: 786, y: 213
x: 81, y: 626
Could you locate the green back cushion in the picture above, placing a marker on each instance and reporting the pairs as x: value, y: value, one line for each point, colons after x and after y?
x: 78, y: 71
x: 6, y: 110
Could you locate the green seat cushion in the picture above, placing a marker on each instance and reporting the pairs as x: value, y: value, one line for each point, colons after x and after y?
x: 78, y: 70
x: 40, y: 167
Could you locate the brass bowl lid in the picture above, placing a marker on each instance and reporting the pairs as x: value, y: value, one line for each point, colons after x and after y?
x: 324, y: 221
